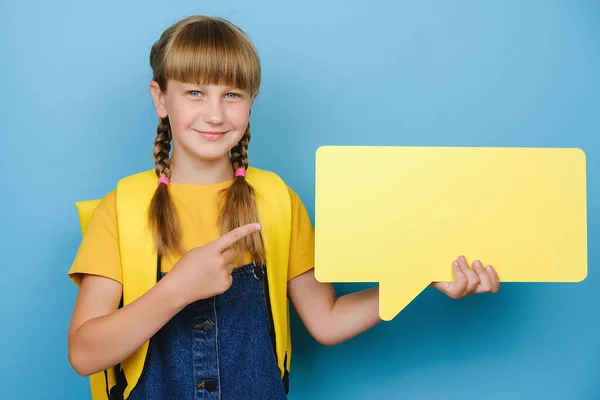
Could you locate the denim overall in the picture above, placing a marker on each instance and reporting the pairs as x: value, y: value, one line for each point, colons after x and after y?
x: 216, y: 348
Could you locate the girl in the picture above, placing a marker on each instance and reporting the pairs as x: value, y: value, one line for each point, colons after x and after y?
x: 184, y: 272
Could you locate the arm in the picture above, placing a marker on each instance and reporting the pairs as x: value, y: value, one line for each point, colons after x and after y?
x: 331, y: 320
x: 101, y: 336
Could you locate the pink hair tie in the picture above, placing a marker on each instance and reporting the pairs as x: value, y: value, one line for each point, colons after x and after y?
x: 240, y: 172
x: 163, y: 179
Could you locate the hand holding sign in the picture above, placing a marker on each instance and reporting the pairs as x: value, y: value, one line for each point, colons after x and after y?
x: 401, y: 215
x: 469, y: 281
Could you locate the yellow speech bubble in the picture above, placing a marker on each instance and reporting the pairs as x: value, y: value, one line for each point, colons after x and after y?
x: 400, y: 215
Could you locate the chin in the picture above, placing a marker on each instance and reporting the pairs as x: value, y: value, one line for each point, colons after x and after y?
x: 212, y: 151
x: 208, y: 155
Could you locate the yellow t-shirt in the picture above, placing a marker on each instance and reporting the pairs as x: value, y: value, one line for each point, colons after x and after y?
x: 197, y: 209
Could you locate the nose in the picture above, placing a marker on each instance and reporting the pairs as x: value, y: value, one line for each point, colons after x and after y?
x: 214, y: 112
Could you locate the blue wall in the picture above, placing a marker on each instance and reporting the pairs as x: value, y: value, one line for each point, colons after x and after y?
x: 76, y: 115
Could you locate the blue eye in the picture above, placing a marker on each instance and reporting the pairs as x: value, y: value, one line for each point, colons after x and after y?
x: 232, y: 95
x: 195, y: 93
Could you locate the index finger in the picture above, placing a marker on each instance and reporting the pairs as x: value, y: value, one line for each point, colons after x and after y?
x: 460, y: 283
x: 235, y: 235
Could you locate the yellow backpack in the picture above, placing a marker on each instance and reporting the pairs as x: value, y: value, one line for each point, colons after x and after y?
x: 138, y: 262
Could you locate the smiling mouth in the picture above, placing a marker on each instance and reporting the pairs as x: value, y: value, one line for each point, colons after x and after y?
x: 211, y: 135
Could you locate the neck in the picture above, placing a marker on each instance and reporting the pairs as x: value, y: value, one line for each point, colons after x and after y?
x: 200, y: 172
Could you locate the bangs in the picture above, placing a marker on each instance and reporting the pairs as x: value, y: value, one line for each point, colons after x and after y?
x: 209, y: 52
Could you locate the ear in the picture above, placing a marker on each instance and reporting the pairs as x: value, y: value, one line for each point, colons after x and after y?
x: 159, y: 99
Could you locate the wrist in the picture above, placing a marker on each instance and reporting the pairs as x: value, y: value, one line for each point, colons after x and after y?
x: 172, y: 293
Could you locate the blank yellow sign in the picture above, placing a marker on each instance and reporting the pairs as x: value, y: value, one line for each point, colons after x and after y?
x: 400, y: 215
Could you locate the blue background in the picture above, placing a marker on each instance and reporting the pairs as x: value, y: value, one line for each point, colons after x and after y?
x: 77, y: 115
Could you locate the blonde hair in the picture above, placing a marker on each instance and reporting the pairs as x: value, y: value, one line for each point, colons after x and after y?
x: 205, y: 50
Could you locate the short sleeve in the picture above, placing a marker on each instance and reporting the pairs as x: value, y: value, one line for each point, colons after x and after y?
x: 302, y: 244
x: 98, y: 253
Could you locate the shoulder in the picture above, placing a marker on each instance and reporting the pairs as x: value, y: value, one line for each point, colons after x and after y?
x: 266, y: 182
x: 147, y: 177
x: 273, y: 179
x: 104, y: 210
x: 263, y: 174
x: 96, y: 210
x: 294, y: 197
x: 134, y: 191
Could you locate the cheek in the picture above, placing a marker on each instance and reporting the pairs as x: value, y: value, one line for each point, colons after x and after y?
x: 182, y: 115
x: 239, y: 116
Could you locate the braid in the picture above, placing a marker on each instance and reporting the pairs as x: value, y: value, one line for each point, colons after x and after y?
x: 162, y: 214
x: 239, y: 153
x: 239, y: 206
x: 162, y: 148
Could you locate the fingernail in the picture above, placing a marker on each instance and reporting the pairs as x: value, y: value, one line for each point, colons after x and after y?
x: 454, y: 263
x: 258, y: 227
x: 477, y: 263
